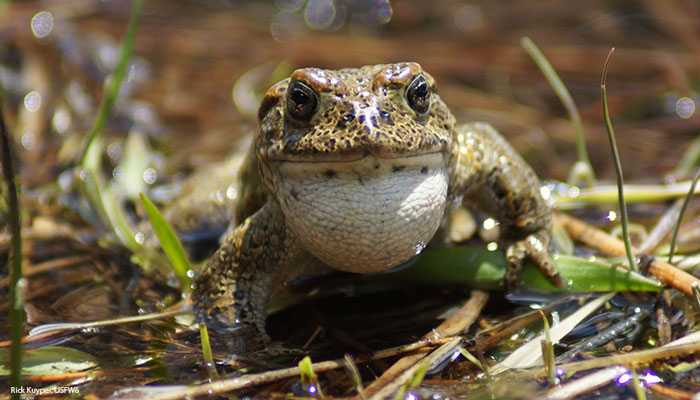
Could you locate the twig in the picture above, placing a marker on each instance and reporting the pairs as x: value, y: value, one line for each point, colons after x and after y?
x: 668, y: 274
x: 399, y: 371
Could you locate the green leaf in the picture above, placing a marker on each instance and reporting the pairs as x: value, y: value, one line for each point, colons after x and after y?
x: 485, y: 270
x: 50, y: 361
x: 169, y: 243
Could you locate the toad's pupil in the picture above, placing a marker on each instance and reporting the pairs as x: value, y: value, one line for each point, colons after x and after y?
x: 421, y: 90
x: 299, y: 97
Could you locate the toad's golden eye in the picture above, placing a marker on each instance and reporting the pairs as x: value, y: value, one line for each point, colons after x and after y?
x: 418, y: 95
x: 301, y: 100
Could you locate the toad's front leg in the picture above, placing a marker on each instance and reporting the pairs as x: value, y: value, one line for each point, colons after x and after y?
x: 494, y: 178
x: 233, y: 289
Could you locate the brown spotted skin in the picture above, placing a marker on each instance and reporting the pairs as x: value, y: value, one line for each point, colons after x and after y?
x: 359, y: 114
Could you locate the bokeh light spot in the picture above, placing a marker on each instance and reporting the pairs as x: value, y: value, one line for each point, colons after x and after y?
x: 319, y: 14
x: 32, y: 101
x: 42, y: 24
x: 685, y: 107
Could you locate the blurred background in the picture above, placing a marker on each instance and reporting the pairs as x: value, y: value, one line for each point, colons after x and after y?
x: 194, y: 81
x: 189, y: 56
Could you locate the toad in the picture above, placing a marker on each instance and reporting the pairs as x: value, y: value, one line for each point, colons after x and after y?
x: 357, y: 169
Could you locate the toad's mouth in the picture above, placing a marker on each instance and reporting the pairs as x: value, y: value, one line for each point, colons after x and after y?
x: 366, y: 215
x: 361, y: 167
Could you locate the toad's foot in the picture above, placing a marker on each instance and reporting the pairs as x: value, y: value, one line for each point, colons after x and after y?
x: 535, y: 247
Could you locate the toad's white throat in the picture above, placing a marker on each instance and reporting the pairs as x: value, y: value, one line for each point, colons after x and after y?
x: 367, y: 215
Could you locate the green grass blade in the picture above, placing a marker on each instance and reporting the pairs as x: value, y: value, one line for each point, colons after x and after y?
x: 117, y: 77
x: 686, y: 200
x: 486, y: 270
x: 690, y: 158
x: 624, y: 220
x: 51, y: 360
x: 206, y: 351
x: 608, y: 194
x: 17, y: 283
x: 583, y: 167
x: 169, y: 242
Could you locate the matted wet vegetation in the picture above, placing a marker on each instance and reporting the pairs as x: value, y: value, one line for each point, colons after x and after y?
x: 189, y: 97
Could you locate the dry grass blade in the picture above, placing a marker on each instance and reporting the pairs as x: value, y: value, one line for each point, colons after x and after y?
x: 586, y: 384
x: 388, y: 384
x: 49, y: 266
x: 668, y: 274
x: 671, y: 393
x: 663, y: 227
x: 229, y: 384
x: 392, y: 378
x: 529, y: 354
x: 462, y: 319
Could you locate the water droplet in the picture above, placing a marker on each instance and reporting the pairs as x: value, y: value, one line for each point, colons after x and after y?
x: 489, y: 223
x: 231, y: 192
x: 61, y: 120
x: 611, y: 216
x: 28, y: 140
x: 32, y: 101
x: 624, y: 378
x: 114, y: 150
x: 685, y: 107
x: 42, y: 24
x: 418, y: 247
x: 139, y: 237
x: 150, y: 175
x: 651, y: 378
x: 574, y: 191
x: 116, y: 173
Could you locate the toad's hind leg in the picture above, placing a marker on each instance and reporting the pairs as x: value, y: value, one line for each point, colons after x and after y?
x: 493, y: 177
x: 233, y: 289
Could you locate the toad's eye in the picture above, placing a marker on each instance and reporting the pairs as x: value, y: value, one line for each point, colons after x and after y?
x: 418, y: 95
x: 301, y: 100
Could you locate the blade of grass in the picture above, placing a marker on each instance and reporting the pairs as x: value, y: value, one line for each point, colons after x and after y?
x: 607, y: 194
x: 116, y: 79
x: 309, y: 379
x: 690, y: 158
x: 170, y: 244
x: 483, y: 269
x: 680, y: 215
x: 583, y: 166
x: 206, y: 351
x: 17, y: 283
x: 528, y: 355
x: 618, y: 166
